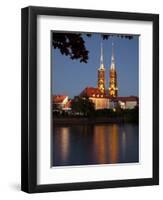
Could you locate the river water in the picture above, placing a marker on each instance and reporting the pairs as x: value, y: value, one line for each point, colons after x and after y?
x: 95, y: 144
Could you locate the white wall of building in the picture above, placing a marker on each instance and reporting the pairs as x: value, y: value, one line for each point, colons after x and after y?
x: 100, y: 103
x: 130, y: 104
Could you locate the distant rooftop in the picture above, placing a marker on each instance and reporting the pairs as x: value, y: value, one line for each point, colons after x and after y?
x: 59, y: 98
x: 92, y: 92
x: 96, y: 93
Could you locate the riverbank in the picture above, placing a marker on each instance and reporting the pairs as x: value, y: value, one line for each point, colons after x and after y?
x: 104, y: 116
x: 76, y: 121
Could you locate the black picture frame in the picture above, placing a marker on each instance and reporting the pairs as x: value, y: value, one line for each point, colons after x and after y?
x: 29, y: 99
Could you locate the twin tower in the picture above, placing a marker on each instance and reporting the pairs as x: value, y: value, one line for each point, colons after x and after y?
x: 112, y: 90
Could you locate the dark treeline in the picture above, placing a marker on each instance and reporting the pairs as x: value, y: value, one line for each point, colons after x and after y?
x: 84, y: 108
x: 126, y: 115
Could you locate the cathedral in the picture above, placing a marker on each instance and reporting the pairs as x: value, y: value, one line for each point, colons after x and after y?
x: 112, y: 89
x: 106, y: 96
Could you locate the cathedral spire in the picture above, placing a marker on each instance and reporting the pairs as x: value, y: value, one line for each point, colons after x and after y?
x: 113, y: 89
x: 101, y: 58
x: 101, y: 73
x: 112, y: 58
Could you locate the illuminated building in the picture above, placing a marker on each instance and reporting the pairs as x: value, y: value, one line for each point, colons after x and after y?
x: 102, y: 97
x: 128, y: 102
x: 61, y: 102
x: 108, y: 98
x: 101, y: 74
x: 113, y: 89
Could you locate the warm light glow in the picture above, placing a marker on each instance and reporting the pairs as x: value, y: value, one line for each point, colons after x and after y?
x: 64, y: 143
x: 114, y: 146
x: 124, y: 144
x: 99, y: 142
x: 106, y: 147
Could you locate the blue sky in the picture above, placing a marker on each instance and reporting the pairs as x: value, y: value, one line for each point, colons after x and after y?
x: 70, y: 77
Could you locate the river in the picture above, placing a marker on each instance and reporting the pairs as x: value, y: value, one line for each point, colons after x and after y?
x: 95, y: 144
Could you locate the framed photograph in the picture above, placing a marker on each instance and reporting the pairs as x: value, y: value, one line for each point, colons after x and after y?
x: 90, y: 99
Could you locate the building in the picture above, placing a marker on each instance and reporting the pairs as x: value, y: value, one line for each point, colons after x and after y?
x: 102, y: 96
x: 113, y: 89
x: 61, y: 103
x: 101, y: 74
x: 97, y: 96
x: 129, y: 102
x: 108, y: 98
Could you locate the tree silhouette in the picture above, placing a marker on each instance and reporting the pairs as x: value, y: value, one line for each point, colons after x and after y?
x: 73, y: 44
x: 83, y: 105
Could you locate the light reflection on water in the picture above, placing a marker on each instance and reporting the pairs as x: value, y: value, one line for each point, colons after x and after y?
x: 95, y: 144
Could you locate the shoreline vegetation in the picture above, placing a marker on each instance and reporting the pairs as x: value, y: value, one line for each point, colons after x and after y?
x: 88, y: 121
x: 103, y: 116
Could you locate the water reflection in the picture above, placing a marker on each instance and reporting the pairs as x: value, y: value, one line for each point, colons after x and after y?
x: 99, y: 144
x: 113, y: 143
x: 123, y: 145
x: 64, y: 143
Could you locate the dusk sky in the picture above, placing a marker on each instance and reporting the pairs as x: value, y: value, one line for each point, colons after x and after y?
x: 70, y: 77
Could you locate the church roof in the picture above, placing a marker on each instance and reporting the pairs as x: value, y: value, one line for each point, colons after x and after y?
x: 59, y: 98
x: 96, y: 93
x: 92, y: 92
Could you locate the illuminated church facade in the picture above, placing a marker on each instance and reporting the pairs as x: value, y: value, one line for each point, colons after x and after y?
x: 113, y: 89
x: 106, y: 96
